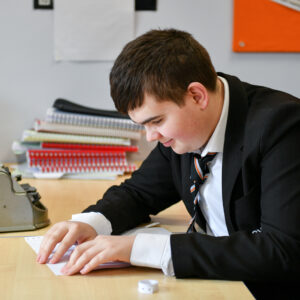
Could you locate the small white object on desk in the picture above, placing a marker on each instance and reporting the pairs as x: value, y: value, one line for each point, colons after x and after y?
x: 148, y: 286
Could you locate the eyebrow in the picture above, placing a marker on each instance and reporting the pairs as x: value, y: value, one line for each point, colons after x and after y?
x: 149, y: 120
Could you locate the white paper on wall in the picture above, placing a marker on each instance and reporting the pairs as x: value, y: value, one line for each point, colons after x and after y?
x: 89, y: 30
x: 293, y: 4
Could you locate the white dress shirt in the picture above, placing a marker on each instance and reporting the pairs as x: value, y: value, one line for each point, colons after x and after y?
x: 154, y: 250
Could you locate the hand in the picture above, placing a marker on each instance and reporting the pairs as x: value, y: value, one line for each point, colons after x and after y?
x: 67, y: 233
x: 102, y: 249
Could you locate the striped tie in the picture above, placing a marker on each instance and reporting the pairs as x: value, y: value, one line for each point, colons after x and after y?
x: 199, y: 173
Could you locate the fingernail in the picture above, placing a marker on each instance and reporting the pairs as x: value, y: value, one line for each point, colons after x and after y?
x: 83, y: 270
x: 51, y: 261
x: 38, y: 258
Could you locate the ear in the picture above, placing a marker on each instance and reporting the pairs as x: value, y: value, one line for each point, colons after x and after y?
x: 199, y: 94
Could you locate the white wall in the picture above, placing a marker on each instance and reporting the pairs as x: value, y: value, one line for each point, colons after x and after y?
x: 30, y: 80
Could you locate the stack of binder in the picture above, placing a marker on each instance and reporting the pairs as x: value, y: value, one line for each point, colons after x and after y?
x: 75, y: 141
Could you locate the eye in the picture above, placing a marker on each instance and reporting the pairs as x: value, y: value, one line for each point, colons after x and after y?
x: 155, y: 122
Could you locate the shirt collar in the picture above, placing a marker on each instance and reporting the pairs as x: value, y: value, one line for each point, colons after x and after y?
x: 216, y: 141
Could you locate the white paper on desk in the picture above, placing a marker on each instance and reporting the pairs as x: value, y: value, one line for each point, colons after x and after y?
x: 92, y: 29
x: 35, y: 241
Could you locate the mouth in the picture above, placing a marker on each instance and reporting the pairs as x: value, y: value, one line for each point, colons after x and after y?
x: 168, y: 143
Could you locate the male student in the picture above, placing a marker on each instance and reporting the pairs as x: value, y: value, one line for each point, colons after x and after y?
x: 241, y: 140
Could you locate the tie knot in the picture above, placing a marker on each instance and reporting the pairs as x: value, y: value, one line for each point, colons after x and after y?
x: 205, y: 160
x: 199, y: 167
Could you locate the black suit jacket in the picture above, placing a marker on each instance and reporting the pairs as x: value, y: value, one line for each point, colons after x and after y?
x: 261, y: 193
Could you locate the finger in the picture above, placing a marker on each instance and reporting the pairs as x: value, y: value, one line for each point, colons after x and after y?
x: 78, y: 252
x: 65, y: 244
x: 50, y: 240
x: 79, y: 258
x: 94, y: 263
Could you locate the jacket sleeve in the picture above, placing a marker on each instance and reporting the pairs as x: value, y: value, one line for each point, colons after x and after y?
x: 273, y: 252
x: 150, y: 190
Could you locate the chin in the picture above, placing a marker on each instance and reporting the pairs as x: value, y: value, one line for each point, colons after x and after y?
x: 183, y: 149
x: 178, y: 150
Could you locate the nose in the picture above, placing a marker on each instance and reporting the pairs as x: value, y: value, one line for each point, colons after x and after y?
x: 152, y: 135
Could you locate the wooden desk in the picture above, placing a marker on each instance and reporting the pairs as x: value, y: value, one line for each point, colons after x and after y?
x: 22, y: 278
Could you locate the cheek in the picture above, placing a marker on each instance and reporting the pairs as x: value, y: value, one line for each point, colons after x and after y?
x: 188, y: 134
x: 176, y: 130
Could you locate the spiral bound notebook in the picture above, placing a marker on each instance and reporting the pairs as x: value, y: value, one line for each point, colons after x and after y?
x: 56, y: 116
x: 31, y: 136
x: 59, y: 171
x: 22, y: 147
x: 67, y: 159
x: 74, y: 146
x: 42, y: 126
x: 74, y: 153
x: 27, y: 172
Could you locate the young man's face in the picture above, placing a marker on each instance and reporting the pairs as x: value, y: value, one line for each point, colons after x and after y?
x: 184, y: 128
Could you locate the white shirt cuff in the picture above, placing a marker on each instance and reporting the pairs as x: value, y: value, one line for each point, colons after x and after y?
x: 154, y: 251
x: 96, y: 220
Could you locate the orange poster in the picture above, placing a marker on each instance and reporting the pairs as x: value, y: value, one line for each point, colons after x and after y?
x: 266, y: 26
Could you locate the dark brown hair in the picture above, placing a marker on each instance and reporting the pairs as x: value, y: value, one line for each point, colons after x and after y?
x: 161, y: 63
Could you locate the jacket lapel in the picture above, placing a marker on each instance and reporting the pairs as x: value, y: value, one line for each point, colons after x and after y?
x: 233, y: 144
